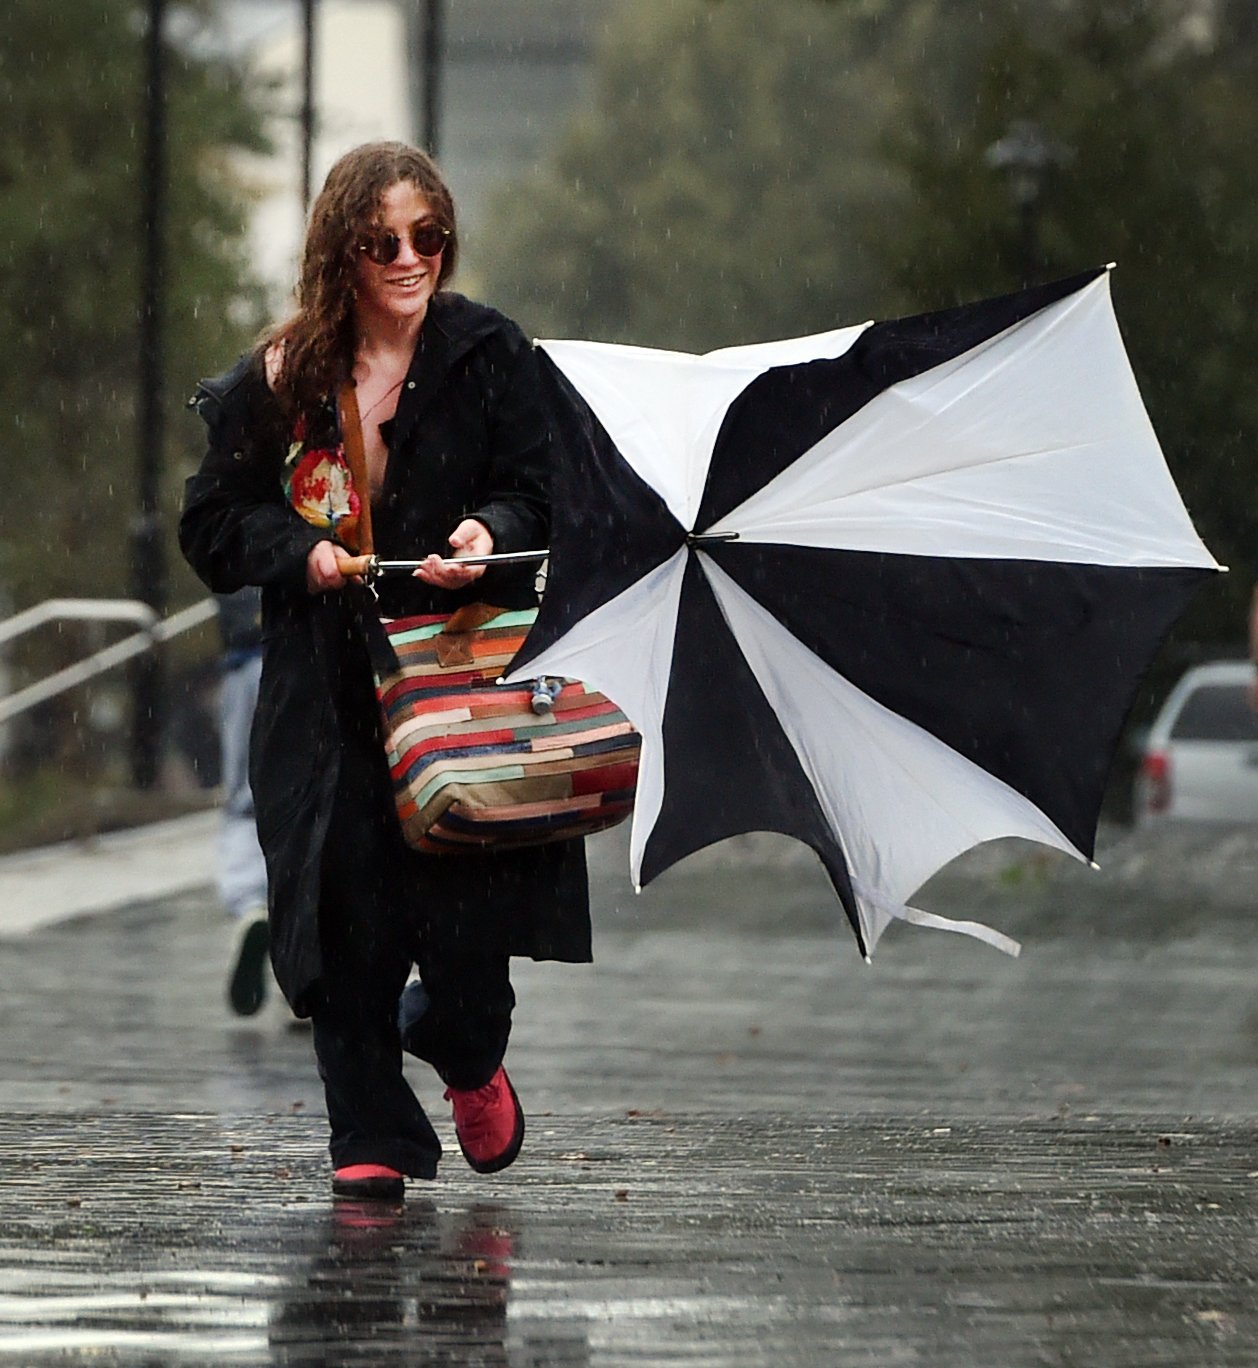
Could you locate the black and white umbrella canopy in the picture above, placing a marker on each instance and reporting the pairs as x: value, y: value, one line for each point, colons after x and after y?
x: 888, y: 590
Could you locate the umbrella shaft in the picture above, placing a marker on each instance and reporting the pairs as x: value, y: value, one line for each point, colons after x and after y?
x: 386, y: 567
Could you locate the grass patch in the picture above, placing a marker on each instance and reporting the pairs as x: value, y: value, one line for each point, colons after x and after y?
x: 47, y: 806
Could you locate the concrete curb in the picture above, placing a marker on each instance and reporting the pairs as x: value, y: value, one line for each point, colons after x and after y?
x: 78, y: 878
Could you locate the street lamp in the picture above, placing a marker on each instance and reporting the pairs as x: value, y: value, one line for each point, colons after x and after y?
x: 1026, y: 158
x: 426, y: 23
x: 148, y: 560
x: 307, y: 101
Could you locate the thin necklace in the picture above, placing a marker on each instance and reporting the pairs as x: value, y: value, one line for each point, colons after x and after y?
x: 381, y: 400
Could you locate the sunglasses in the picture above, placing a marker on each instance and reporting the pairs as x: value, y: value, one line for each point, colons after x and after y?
x: 428, y: 237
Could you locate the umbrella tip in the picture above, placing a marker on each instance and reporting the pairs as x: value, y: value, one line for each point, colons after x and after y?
x: 1092, y: 864
x: 637, y: 888
x: 1109, y: 265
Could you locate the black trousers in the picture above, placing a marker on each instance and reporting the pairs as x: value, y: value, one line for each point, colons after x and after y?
x: 374, y: 924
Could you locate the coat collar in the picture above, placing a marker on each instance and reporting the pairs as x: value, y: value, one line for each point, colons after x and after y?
x: 452, y: 327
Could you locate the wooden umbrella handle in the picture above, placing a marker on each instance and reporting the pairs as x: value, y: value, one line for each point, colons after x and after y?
x: 352, y: 565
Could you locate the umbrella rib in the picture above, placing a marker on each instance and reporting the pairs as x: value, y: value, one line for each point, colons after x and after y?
x: 748, y: 529
x: 977, y: 464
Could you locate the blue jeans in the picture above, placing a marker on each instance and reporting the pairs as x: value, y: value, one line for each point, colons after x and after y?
x: 240, y: 870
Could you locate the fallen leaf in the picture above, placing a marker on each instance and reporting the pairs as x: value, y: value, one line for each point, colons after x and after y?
x: 1220, y: 1320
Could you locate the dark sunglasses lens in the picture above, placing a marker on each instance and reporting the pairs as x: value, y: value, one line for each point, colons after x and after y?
x: 383, y: 248
x: 428, y: 238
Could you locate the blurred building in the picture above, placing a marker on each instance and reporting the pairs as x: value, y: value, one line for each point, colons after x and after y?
x: 510, y: 76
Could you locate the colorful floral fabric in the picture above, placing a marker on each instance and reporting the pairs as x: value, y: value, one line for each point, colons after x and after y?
x: 319, y: 485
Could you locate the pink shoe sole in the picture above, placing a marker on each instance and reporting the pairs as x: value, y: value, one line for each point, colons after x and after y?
x: 375, y: 1182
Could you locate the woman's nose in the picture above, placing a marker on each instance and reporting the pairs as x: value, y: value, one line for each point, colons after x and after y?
x: 406, y: 250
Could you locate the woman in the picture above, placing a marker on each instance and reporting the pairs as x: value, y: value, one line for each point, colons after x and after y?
x: 457, y: 447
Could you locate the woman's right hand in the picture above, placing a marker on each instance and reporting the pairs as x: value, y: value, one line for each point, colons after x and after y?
x: 322, y: 573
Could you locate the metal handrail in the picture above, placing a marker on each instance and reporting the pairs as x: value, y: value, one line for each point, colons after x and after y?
x: 94, y: 610
x: 76, y: 610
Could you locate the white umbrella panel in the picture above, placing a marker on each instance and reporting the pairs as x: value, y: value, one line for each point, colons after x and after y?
x: 888, y: 590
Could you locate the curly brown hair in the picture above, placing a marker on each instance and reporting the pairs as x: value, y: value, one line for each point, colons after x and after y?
x: 315, y: 346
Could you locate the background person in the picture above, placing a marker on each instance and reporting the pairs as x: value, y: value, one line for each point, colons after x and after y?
x: 457, y: 447
x: 240, y: 869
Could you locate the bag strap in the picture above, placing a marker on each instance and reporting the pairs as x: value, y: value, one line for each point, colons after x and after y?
x: 470, y: 617
x: 356, y: 456
x: 454, y: 642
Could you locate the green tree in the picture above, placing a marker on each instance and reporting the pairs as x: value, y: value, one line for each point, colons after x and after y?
x: 71, y: 83
x: 708, y: 195
x: 71, y: 88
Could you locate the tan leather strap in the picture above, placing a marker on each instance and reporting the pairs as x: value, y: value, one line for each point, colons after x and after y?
x: 454, y: 642
x: 356, y: 456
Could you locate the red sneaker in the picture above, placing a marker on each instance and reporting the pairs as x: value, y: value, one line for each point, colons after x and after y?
x: 375, y: 1182
x: 488, y: 1122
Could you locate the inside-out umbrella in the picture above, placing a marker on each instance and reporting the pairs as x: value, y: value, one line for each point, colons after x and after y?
x: 889, y: 590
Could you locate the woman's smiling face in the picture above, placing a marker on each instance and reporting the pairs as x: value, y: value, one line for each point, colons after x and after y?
x: 399, y: 291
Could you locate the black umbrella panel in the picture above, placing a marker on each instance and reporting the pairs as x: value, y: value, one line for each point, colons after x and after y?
x: 888, y: 590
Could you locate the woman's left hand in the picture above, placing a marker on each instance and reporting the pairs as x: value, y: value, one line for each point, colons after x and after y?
x: 470, y: 538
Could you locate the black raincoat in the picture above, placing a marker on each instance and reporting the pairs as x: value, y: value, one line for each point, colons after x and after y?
x: 470, y: 439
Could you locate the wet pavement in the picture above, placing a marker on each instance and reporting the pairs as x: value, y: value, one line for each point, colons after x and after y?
x: 744, y: 1147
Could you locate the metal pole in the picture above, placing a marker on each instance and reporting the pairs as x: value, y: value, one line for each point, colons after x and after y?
x: 1026, y: 158
x: 148, y: 553
x: 433, y: 27
x: 1029, y: 235
x: 307, y: 101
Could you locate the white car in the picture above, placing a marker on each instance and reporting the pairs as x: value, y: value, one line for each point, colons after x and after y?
x: 1200, y: 759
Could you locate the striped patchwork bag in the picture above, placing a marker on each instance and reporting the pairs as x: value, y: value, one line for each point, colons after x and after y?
x: 477, y: 764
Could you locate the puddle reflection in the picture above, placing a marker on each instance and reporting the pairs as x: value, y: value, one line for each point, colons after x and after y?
x: 393, y: 1285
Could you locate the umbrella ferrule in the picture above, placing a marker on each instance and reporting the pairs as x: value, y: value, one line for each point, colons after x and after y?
x: 709, y: 538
